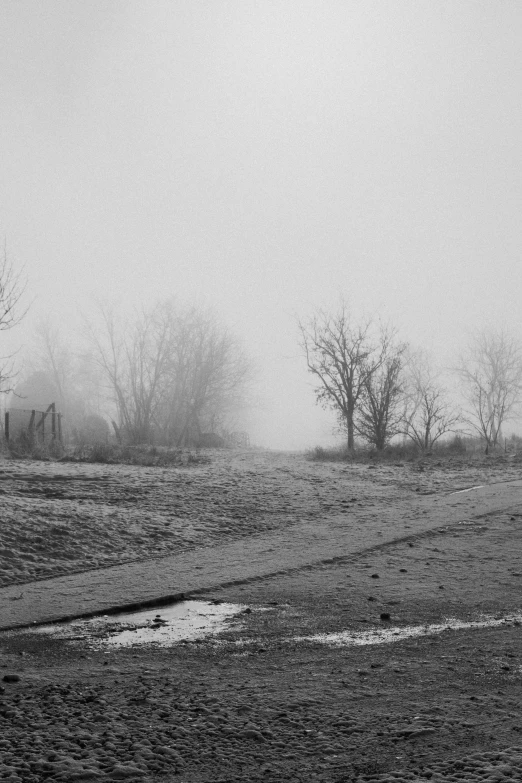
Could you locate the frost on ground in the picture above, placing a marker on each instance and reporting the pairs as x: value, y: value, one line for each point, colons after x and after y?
x: 442, y: 706
x: 60, y: 518
x: 397, y: 634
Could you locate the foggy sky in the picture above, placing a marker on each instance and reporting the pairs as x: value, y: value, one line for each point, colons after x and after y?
x: 267, y: 157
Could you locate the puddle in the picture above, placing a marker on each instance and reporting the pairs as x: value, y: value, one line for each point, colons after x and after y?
x: 160, y: 626
x: 469, y: 489
x: 187, y: 621
x: 389, y: 635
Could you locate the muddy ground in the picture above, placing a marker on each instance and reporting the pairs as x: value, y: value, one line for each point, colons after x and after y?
x: 260, y: 702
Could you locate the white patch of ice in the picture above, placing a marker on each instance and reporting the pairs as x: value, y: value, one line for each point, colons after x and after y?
x: 460, y: 491
x: 397, y: 634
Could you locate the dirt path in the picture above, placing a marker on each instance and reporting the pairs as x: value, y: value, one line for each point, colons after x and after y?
x: 265, y: 701
x: 331, y: 538
x: 62, y: 518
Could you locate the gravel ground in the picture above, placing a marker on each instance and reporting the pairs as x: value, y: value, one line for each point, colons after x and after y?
x: 255, y: 703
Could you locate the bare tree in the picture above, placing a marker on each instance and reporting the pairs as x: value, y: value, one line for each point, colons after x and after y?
x: 380, y: 413
x: 133, y: 359
x: 208, y: 375
x: 172, y: 372
x: 428, y: 413
x: 12, y: 288
x: 343, y: 357
x: 491, y: 374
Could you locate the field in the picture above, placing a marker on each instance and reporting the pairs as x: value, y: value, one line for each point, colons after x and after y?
x: 264, y: 701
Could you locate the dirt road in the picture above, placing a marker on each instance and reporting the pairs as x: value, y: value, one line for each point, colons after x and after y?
x: 267, y: 699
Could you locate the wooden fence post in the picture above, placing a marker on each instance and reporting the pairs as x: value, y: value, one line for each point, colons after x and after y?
x: 53, y: 421
x: 6, y: 425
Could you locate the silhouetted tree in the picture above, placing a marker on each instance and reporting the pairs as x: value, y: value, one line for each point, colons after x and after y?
x: 343, y: 356
x: 381, y: 410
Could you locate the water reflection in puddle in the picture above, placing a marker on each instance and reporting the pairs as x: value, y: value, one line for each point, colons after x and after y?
x: 204, y: 620
x: 163, y: 626
x: 396, y: 634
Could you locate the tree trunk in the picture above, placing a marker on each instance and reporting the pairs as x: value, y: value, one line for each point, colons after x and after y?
x: 380, y: 442
x: 350, y: 429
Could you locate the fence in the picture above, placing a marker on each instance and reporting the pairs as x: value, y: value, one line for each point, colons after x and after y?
x: 37, y: 426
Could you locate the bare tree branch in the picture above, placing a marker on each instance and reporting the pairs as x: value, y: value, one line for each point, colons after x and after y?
x: 12, y: 289
x: 380, y: 412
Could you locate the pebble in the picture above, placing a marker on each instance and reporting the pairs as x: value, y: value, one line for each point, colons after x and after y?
x: 252, y: 734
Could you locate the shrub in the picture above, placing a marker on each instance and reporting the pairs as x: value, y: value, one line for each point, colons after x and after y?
x: 332, y: 454
x: 26, y: 446
x: 456, y: 445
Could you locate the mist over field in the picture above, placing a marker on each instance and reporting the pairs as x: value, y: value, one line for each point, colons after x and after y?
x: 260, y: 390
x: 264, y: 160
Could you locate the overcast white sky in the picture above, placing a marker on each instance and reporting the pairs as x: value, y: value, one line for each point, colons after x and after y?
x: 267, y: 157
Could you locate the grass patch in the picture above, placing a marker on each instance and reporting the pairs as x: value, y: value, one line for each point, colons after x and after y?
x: 25, y: 446
x: 457, y: 448
x: 331, y: 454
x: 148, y: 456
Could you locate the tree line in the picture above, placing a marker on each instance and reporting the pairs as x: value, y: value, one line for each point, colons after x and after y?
x: 380, y: 388
x: 171, y: 373
x: 165, y: 375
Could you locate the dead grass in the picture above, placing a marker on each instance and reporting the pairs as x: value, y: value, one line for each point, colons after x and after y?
x: 147, y: 456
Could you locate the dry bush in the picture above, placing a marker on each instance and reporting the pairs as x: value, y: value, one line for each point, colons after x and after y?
x: 25, y: 446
